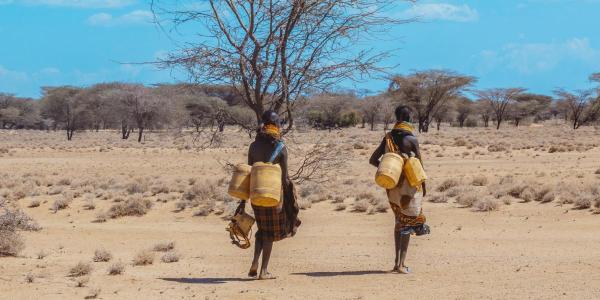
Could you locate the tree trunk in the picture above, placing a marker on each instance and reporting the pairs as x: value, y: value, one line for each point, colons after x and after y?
x: 140, y: 133
x: 438, y: 124
x: 517, y: 121
x: 125, y: 132
x: 372, y: 125
x: 498, y: 123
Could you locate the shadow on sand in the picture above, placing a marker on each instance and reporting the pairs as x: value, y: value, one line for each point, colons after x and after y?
x: 207, y: 280
x: 342, y: 273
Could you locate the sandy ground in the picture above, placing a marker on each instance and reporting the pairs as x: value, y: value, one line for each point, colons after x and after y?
x: 523, y: 250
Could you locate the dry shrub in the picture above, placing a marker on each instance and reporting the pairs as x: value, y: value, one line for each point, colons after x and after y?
x: 340, y: 207
x: 82, y: 281
x: 89, y: 204
x: 507, y: 200
x: 143, y: 258
x: 101, y: 217
x: 467, y: 199
x: 101, y: 255
x: 583, y: 202
x: 164, y: 246
x: 486, y: 204
x: 360, y: 205
x: 438, y: 198
x: 161, y: 188
x: 310, y: 189
x: 500, y: 147
x: 12, y: 220
x: 549, y: 197
x: 597, y: 172
x: 11, y: 243
x: 29, y: 278
x: 448, y: 184
x: 515, y: 190
x: 528, y: 194
x: 116, y: 269
x: 61, y: 203
x: 41, y: 254
x: 139, y: 186
x: 170, y: 257
x: 455, y: 191
x: 34, y: 203
x: 80, y: 269
x: 542, y: 192
x: 479, y: 180
x: 304, y: 203
x: 134, y: 206
x: 359, y: 146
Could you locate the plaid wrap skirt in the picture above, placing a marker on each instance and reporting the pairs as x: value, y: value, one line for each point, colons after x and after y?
x: 271, y: 223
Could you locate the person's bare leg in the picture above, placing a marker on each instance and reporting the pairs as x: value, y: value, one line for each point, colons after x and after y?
x: 397, y: 252
x: 404, y: 241
x: 266, y: 255
x: 258, y: 246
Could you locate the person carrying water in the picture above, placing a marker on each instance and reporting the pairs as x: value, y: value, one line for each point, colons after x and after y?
x: 274, y: 222
x: 404, y: 199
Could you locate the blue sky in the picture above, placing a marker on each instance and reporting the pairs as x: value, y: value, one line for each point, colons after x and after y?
x: 537, y: 44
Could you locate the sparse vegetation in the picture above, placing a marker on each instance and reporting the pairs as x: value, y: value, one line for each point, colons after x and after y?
x: 80, y: 269
x: 486, y: 204
x: 101, y: 255
x: 143, y: 258
x: 164, y: 246
x: 134, y: 206
x: 170, y: 257
x: 116, y: 268
x: 447, y: 184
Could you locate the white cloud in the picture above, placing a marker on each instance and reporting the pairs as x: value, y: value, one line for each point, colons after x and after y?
x: 74, y: 3
x: 530, y: 58
x: 134, y: 17
x: 442, y: 11
x: 12, y: 75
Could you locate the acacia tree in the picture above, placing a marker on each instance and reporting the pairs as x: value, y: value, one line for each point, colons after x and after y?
x: 272, y: 52
x: 63, y: 105
x: 370, y: 109
x: 427, y: 92
x: 529, y: 105
x: 499, y: 100
x: 464, y: 108
x: 582, y: 106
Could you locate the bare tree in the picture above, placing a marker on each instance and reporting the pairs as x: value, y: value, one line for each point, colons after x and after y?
x: 329, y: 110
x: 484, y: 109
x: 387, y: 112
x: 499, y: 100
x: 582, y: 106
x: 271, y: 52
x: 427, y: 91
x: 464, y: 107
x: 371, y: 108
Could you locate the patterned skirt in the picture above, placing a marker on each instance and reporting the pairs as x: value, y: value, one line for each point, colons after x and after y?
x: 271, y: 223
x: 409, y: 224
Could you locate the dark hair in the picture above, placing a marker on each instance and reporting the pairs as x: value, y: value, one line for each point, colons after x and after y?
x: 270, y: 117
x: 403, y: 113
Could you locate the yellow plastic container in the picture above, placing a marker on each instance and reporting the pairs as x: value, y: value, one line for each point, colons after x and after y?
x: 265, y: 184
x: 389, y: 171
x: 239, y: 186
x: 413, y: 170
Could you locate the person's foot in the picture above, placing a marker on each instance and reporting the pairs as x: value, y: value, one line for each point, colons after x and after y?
x: 253, y: 271
x: 396, y: 269
x: 404, y: 270
x: 266, y: 276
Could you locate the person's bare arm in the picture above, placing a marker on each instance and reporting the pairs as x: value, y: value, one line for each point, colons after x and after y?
x: 284, y: 167
x: 374, y: 160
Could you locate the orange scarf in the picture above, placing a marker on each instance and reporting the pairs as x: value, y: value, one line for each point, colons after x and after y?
x: 405, y: 126
x: 272, y: 130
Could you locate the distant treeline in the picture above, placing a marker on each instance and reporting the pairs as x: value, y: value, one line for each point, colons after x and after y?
x: 435, y: 96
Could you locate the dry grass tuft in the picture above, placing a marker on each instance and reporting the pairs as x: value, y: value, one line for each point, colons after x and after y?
x: 93, y: 293
x: 164, y: 246
x: 41, y: 254
x: 583, y: 202
x: 448, y: 184
x: 468, y: 199
x: 82, y: 281
x: 304, y: 203
x: 170, y: 257
x: 340, y: 207
x: 80, y: 269
x: 437, y: 198
x: 135, y: 206
x: 360, y: 206
x: 116, y: 268
x: 61, y: 203
x: 29, y: 278
x: 101, y: 255
x: 143, y: 258
x: 34, y: 203
x: 479, y: 180
x: 486, y: 204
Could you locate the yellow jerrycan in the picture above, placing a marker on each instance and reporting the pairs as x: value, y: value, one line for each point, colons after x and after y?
x: 239, y: 186
x: 265, y: 184
x: 389, y: 170
x: 413, y: 170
